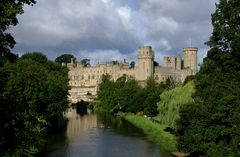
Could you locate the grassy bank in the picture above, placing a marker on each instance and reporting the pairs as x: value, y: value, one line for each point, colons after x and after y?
x: 154, y: 132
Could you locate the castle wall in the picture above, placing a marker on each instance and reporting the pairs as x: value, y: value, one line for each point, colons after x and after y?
x: 173, y: 62
x: 84, y: 80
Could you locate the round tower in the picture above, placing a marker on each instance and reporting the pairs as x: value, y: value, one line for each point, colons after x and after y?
x: 190, y: 58
x: 145, y: 62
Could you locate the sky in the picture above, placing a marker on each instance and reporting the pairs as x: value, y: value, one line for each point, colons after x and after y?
x: 104, y: 30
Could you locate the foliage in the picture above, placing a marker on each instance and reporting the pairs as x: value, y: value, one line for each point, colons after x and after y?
x: 35, y: 56
x: 171, y: 101
x: 33, y: 97
x: 210, y: 126
x: 170, y: 83
x: 132, y: 64
x: 188, y: 79
x: 152, y: 91
x: 129, y: 95
x: 65, y: 58
x: 125, y: 94
x: 154, y: 132
x: 9, y: 9
x: 85, y: 62
x: 105, y: 94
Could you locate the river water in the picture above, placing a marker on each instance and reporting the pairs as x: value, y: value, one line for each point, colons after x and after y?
x: 99, y: 135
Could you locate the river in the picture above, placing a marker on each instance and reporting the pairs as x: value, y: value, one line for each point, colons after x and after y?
x: 101, y: 135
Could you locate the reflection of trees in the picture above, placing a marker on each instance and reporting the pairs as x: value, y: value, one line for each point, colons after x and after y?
x: 78, y: 125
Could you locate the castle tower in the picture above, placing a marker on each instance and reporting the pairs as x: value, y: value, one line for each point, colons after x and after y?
x: 145, y: 62
x: 190, y: 58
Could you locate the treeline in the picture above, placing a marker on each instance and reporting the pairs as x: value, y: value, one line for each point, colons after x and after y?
x: 126, y: 95
x: 33, y: 96
x: 210, y: 125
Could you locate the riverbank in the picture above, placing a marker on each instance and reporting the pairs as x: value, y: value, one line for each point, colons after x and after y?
x: 154, y: 132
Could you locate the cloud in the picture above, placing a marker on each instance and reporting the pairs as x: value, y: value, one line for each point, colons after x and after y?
x: 102, y: 56
x: 113, y: 26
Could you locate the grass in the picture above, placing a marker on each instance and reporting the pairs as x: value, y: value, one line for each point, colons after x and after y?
x: 168, y: 108
x: 155, y: 132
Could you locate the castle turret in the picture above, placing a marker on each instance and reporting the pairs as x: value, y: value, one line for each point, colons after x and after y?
x: 145, y: 62
x: 173, y: 62
x: 190, y: 58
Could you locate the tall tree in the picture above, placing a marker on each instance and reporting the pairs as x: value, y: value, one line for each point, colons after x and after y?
x: 213, y: 129
x: 65, y: 58
x: 132, y: 64
x: 152, y: 91
x: 85, y: 62
x: 33, y: 93
x: 9, y: 9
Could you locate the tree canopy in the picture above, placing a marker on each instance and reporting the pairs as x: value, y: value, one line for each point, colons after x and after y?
x: 132, y: 64
x: 210, y: 126
x: 125, y: 94
x: 9, y: 9
x: 65, y: 58
x: 33, y: 96
x: 85, y: 62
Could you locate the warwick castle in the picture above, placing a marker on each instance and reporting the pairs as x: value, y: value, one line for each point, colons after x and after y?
x: 84, y: 80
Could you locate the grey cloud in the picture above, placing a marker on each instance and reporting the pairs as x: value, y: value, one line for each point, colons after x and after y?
x: 60, y: 26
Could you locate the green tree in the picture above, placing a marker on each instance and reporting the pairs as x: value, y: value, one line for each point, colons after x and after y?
x: 65, y: 58
x: 152, y: 91
x: 9, y: 9
x: 33, y: 97
x: 129, y: 95
x: 210, y: 126
x: 170, y: 83
x: 85, y: 62
x: 132, y: 64
x: 35, y: 56
x: 105, y: 94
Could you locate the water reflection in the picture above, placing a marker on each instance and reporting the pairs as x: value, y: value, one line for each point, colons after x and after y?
x: 79, y: 124
x: 102, y: 136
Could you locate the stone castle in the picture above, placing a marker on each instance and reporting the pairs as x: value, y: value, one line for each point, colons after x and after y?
x: 84, y: 80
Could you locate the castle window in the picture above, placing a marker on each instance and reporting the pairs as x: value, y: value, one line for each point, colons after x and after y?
x: 89, y: 77
x: 82, y: 76
x: 93, y: 77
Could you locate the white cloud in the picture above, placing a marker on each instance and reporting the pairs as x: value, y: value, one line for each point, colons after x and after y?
x: 165, y: 24
x: 109, y: 28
